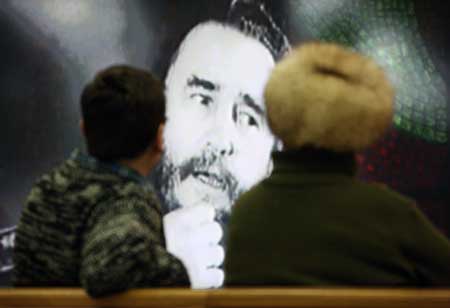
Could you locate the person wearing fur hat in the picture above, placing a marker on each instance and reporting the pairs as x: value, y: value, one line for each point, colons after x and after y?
x: 312, y: 222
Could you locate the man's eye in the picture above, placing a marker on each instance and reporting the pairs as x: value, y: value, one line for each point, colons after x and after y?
x: 203, y: 99
x: 248, y: 120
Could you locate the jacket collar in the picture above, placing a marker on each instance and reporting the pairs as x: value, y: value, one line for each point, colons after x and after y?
x: 89, y: 162
x: 314, y: 161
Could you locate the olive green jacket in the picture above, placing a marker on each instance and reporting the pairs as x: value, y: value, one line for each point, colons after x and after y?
x: 96, y: 225
x: 313, y: 223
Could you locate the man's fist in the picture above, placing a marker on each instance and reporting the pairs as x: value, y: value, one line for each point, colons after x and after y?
x: 193, y: 236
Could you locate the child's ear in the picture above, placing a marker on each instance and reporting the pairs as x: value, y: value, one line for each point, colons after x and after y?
x: 82, y: 128
x: 159, y: 142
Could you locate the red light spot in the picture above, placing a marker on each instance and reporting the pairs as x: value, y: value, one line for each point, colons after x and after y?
x: 360, y: 159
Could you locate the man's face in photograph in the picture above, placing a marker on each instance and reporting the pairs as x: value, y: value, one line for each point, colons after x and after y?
x: 217, y: 139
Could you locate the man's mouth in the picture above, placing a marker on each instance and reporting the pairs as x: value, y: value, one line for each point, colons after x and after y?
x: 211, y: 179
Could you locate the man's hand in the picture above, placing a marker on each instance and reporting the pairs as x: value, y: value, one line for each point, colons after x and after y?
x: 193, y: 236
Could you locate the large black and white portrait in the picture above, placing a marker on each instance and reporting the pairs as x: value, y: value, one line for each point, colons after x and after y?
x: 217, y: 140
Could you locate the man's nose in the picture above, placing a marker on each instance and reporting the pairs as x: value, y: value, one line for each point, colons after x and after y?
x: 222, y: 138
x: 222, y: 148
x: 227, y: 149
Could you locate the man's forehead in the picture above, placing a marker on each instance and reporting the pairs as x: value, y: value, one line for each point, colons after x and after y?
x: 223, y: 55
x: 213, y: 42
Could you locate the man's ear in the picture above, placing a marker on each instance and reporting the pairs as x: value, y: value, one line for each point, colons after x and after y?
x: 82, y: 128
x: 159, y: 142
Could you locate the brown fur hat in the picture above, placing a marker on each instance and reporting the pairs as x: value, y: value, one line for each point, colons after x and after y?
x: 325, y: 96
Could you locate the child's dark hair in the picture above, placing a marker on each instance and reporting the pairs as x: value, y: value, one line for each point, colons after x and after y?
x: 122, y: 109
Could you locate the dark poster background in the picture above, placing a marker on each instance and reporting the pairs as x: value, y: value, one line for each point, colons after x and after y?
x: 50, y: 48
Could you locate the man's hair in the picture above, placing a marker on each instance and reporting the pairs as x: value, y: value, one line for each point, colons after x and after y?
x: 122, y: 109
x: 251, y: 18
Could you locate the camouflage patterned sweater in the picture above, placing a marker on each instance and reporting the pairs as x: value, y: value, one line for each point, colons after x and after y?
x: 95, y: 225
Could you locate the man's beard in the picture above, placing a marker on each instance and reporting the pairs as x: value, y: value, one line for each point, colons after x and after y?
x: 207, y: 169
